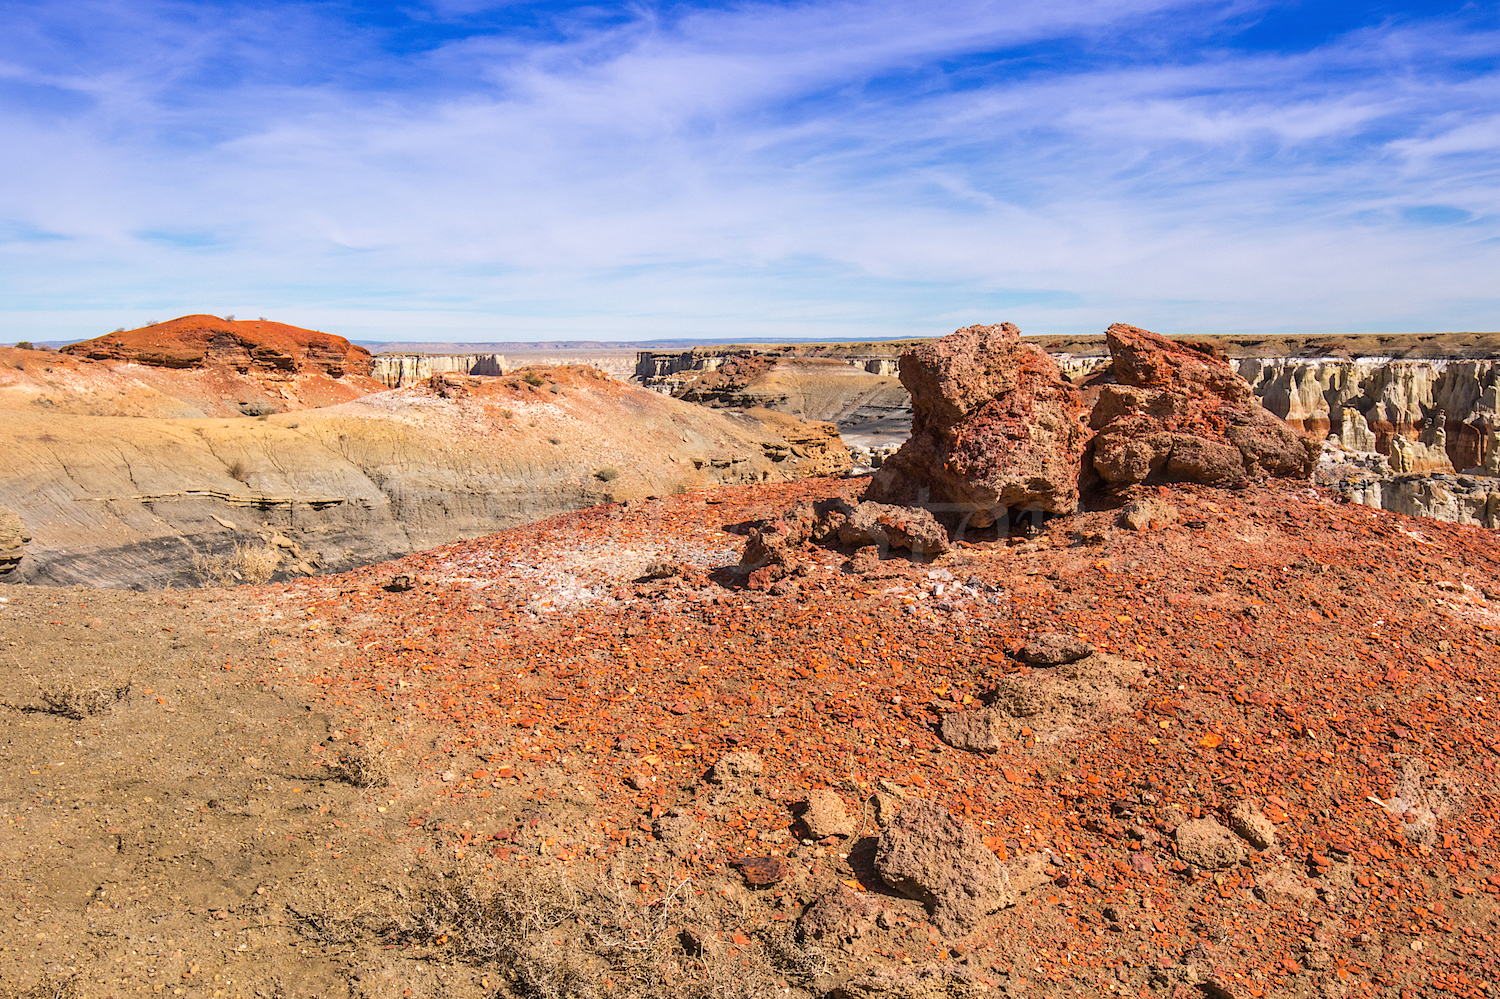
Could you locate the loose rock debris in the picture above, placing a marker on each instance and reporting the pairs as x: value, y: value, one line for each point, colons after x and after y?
x: 1294, y: 679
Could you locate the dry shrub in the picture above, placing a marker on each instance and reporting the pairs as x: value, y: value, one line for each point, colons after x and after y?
x: 70, y: 698
x: 244, y: 564
x: 238, y: 469
x: 549, y: 939
x: 257, y: 564
x: 212, y: 570
x: 368, y: 766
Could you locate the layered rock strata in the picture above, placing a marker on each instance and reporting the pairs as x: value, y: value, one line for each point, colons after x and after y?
x: 140, y: 503
x: 195, y: 366
x: 207, y: 341
x: 400, y: 370
x: 13, y: 537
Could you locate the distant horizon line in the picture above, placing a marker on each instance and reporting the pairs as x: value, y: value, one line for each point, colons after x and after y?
x: 687, y: 343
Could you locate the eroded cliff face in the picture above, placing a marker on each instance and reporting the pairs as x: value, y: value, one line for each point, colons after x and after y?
x: 1451, y: 404
x: 139, y: 503
x: 1368, y: 478
x: 400, y: 370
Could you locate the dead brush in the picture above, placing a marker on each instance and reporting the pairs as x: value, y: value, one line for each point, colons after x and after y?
x: 70, y: 698
x: 212, y: 569
x: 550, y: 939
x: 368, y: 766
x: 245, y: 563
x: 47, y: 987
x: 256, y: 564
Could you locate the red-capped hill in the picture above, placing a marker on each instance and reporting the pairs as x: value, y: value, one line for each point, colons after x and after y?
x: 208, y: 341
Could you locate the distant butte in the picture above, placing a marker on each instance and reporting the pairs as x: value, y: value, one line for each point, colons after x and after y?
x: 208, y: 341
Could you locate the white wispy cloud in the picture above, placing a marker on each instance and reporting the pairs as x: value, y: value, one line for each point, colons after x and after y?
x: 768, y: 169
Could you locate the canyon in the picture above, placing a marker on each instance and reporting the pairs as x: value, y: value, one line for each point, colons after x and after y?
x: 158, y: 456
x: 401, y: 370
x: 1203, y: 729
x: 1428, y: 404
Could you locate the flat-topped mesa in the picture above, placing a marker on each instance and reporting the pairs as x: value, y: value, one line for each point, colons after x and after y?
x: 996, y: 428
x: 258, y: 346
x: 1176, y: 412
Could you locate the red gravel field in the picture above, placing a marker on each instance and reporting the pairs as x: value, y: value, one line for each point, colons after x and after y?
x: 581, y: 757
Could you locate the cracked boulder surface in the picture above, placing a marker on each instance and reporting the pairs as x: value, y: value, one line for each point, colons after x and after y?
x: 877, y: 529
x: 995, y: 428
x: 494, y: 778
x: 1174, y: 411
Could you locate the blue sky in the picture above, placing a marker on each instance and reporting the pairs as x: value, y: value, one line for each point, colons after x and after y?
x: 465, y: 170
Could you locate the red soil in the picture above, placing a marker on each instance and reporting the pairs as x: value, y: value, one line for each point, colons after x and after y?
x: 1293, y: 649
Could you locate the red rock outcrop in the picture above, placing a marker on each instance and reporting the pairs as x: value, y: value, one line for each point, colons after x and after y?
x: 995, y: 427
x: 770, y: 554
x: 1177, y: 412
x: 208, y: 341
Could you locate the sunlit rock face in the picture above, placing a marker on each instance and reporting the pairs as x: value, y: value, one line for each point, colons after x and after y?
x: 1177, y: 412
x: 1410, y: 399
x: 996, y: 428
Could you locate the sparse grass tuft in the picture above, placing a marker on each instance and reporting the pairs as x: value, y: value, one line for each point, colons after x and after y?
x: 257, y: 564
x: 244, y: 564
x: 607, y: 474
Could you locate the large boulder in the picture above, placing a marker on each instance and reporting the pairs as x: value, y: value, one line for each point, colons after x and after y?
x: 995, y: 427
x: 887, y: 527
x: 1176, y: 412
x: 927, y: 853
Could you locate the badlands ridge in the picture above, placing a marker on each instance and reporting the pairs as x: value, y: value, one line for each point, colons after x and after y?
x: 131, y: 460
x: 1125, y: 707
x: 137, y: 459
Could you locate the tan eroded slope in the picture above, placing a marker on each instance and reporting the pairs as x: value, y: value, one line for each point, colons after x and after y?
x: 119, y: 501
